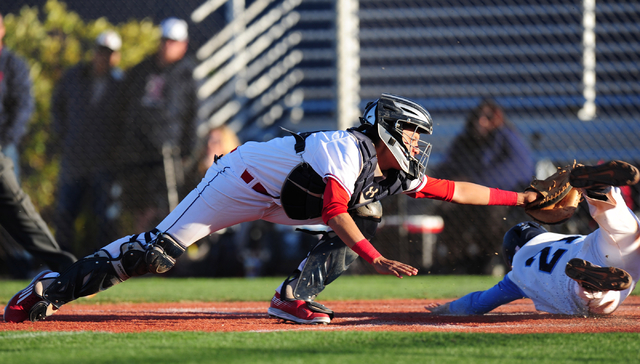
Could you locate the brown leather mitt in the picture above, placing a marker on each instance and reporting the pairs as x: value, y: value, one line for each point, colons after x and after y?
x: 557, y: 200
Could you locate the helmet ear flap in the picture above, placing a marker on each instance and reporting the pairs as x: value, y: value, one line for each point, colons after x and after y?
x: 370, y: 115
x: 517, y: 237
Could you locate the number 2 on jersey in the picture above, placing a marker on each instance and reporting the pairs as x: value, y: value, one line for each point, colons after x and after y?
x: 545, y: 265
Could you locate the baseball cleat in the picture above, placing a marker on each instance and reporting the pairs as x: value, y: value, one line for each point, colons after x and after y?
x: 612, y: 173
x: 296, y: 311
x: 596, y: 278
x: 28, y: 304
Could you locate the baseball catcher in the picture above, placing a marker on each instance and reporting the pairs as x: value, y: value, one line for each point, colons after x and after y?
x: 336, y: 178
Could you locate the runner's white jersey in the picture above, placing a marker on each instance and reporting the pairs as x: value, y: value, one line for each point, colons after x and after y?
x: 538, y: 270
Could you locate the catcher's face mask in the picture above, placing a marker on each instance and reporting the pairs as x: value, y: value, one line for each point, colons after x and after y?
x: 402, y: 126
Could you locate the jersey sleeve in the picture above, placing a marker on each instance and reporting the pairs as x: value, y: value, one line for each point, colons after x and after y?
x: 335, y: 156
x: 481, y: 302
x: 335, y: 200
x: 434, y: 188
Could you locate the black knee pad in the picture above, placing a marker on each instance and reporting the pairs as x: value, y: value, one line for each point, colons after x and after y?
x: 162, y: 254
x: 325, y: 263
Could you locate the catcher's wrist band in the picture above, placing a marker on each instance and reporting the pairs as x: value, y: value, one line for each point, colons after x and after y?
x: 364, y: 249
x: 502, y: 198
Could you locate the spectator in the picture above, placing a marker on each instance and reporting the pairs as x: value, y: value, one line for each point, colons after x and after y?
x: 215, y: 143
x: 159, y: 106
x: 82, y: 109
x: 489, y: 151
x: 17, y: 214
x: 220, y: 140
x: 17, y: 102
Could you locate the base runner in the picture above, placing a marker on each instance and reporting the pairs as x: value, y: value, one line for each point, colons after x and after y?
x: 570, y: 274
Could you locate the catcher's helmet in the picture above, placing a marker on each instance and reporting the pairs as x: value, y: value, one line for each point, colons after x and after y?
x: 517, y: 237
x: 390, y: 115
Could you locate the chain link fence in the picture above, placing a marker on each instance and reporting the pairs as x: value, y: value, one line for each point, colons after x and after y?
x: 564, y: 77
x: 563, y: 80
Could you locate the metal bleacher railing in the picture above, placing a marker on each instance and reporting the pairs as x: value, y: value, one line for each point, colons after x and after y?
x: 448, y: 55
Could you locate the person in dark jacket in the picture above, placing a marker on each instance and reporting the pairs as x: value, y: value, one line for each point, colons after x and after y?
x: 18, y: 216
x: 490, y: 151
x: 83, y: 120
x: 159, y: 110
x: 17, y: 102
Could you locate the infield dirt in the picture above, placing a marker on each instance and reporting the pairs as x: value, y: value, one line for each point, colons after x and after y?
x: 387, y: 315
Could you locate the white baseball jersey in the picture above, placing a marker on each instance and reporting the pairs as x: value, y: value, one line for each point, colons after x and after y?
x: 539, y: 266
x: 335, y: 154
x: 332, y: 154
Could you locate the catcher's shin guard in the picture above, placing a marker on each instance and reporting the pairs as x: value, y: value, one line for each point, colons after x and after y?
x: 330, y: 257
x: 97, y: 272
x: 89, y: 275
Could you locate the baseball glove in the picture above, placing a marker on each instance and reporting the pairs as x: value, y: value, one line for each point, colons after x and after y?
x: 557, y: 199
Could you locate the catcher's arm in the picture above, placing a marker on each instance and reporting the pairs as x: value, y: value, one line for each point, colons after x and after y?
x: 469, y: 193
x: 526, y: 197
x: 334, y: 213
x: 344, y: 226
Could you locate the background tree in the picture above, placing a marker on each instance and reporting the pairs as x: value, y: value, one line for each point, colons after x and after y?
x: 53, y: 39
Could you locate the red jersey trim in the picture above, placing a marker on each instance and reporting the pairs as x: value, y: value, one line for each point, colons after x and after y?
x: 437, y: 189
x: 335, y: 201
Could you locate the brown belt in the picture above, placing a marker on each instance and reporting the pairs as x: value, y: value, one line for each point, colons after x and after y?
x: 258, y: 187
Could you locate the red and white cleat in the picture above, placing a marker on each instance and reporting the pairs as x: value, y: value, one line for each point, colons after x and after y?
x: 297, y: 311
x: 28, y: 304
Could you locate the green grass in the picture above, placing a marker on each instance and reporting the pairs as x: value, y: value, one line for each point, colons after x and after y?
x: 316, y: 347
x: 304, y: 346
x: 158, y: 289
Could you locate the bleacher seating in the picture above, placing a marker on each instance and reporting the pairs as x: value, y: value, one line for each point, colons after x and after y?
x: 451, y: 54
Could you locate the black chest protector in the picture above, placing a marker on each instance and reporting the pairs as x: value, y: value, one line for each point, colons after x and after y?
x: 303, y: 189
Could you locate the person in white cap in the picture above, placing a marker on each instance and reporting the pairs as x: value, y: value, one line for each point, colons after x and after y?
x: 158, y: 106
x: 86, y: 130
x: 175, y: 40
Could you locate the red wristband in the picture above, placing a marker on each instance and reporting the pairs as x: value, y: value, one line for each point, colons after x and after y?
x: 366, y: 250
x: 503, y: 198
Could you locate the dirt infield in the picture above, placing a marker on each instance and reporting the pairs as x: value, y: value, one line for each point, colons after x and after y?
x: 388, y: 315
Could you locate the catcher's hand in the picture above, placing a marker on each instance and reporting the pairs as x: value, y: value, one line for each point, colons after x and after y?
x: 388, y: 266
x: 557, y: 199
